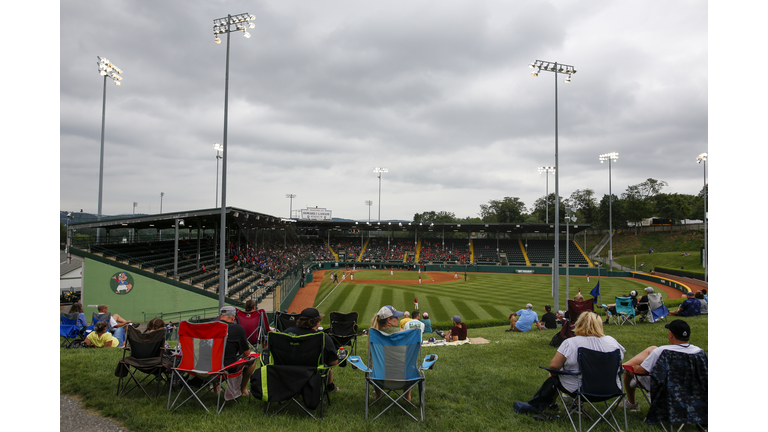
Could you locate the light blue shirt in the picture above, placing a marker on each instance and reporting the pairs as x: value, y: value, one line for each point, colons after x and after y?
x: 526, y: 320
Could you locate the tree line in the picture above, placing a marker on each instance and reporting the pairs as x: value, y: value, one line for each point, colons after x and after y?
x: 641, y: 201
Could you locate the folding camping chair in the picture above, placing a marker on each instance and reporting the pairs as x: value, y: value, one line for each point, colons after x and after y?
x: 202, y: 358
x: 285, y: 320
x: 147, y: 357
x: 69, y: 331
x: 256, y: 328
x: 343, y: 330
x: 599, y: 381
x: 657, y: 311
x: 394, y: 366
x: 625, y: 311
x: 575, y: 308
x: 679, y: 389
x: 296, y: 367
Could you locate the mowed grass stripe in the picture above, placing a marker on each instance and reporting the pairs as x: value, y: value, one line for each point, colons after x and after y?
x: 484, y: 296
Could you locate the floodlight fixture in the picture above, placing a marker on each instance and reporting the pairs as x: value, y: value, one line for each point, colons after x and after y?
x: 557, y: 68
x: 380, y: 170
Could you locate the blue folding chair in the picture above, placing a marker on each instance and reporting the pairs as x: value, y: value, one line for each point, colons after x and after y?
x: 68, y: 329
x: 625, y: 311
x: 395, y: 367
x: 657, y: 309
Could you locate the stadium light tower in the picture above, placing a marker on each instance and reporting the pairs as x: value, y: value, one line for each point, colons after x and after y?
x: 547, y: 170
x: 556, y: 68
x: 290, y: 209
x: 108, y: 70
x: 219, y: 149
x: 380, y: 170
x: 610, y: 157
x: 702, y: 159
x: 240, y: 22
x: 162, y: 194
x: 369, y: 203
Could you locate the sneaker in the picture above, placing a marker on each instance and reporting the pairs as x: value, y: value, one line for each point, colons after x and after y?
x: 440, y: 333
x: 630, y: 406
x: 135, y: 325
x: 508, y: 330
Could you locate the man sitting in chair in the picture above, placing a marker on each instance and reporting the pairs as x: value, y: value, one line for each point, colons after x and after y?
x: 678, y: 336
x: 237, y: 344
x: 308, y: 322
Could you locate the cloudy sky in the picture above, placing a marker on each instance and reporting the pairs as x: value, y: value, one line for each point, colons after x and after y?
x: 438, y: 92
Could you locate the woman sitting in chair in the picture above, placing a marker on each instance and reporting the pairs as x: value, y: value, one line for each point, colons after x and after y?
x: 590, y: 335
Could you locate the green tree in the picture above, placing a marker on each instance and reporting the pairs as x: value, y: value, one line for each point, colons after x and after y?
x: 508, y: 210
x: 434, y: 217
x: 539, y: 210
x: 604, y: 211
x: 585, y: 205
x: 636, y: 206
x: 673, y: 206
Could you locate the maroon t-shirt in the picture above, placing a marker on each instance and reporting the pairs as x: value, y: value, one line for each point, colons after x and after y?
x: 459, y: 330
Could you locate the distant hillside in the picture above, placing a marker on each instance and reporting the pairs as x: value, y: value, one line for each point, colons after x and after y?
x: 626, y: 243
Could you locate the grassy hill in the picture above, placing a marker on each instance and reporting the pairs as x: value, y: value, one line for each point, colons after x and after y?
x: 668, y: 248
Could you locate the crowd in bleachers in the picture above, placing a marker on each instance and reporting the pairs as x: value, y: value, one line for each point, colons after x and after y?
x: 433, y: 251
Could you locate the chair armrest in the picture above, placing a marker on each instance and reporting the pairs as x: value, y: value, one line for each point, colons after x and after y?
x: 559, y: 372
x: 631, y: 370
x: 357, y: 362
x: 429, y: 361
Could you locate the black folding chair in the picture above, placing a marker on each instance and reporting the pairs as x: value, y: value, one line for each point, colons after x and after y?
x: 343, y: 330
x: 296, y: 370
x: 146, y: 357
x: 599, y: 381
x: 285, y: 320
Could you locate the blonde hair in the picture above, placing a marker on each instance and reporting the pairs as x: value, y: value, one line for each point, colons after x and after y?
x: 589, y: 324
x: 578, y: 297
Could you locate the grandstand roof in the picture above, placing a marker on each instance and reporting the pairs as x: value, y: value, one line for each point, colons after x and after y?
x: 246, y: 219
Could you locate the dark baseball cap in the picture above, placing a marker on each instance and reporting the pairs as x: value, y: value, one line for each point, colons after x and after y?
x: 680, y: 329
x: 311, y: 312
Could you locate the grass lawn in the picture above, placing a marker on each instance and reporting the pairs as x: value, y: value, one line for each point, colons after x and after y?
x: 472, y: 387
x: 673, y: 260
x: 484, y: 299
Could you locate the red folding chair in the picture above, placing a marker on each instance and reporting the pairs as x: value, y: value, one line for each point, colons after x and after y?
x: 575, y: 308
x: 202, y: 358
x: 256, y: 328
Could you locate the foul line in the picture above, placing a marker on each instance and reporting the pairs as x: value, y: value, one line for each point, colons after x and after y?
x: 334, y: 289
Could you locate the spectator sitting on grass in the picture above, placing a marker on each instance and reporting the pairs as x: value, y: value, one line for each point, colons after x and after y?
x: 415, y: 323
x: 690, y: 307
x: 457, y: 333
x: 527, y: 317
x: 406, y: 318
x: 427, y: 323
x: 700, y: 297
x: 101, y: 338
x: 549, y: 319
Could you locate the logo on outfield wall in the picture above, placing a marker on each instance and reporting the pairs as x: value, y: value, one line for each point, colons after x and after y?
x: 121, y: 283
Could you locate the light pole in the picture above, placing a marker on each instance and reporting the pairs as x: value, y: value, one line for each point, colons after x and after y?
x: 369, y: 203
x: 133, y: 230
x: 218, y: 147
x: 162, y: 194
x: 227, y: 25
x: 290, y: 211
x: 380, y: 170
x: 569, y: 217
x: 702, y: 158
x: 107, y: 70
x: 556, y: 68
x: 610, y: 157
x: 547, y: 170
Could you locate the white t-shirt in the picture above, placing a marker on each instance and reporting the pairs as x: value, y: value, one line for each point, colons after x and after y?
x: 653, y: 357
x: 570, y: 349
x: 412, y: 324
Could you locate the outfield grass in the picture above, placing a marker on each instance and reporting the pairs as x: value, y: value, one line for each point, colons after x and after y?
x: 472, y: 388
x: 482, y: 300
